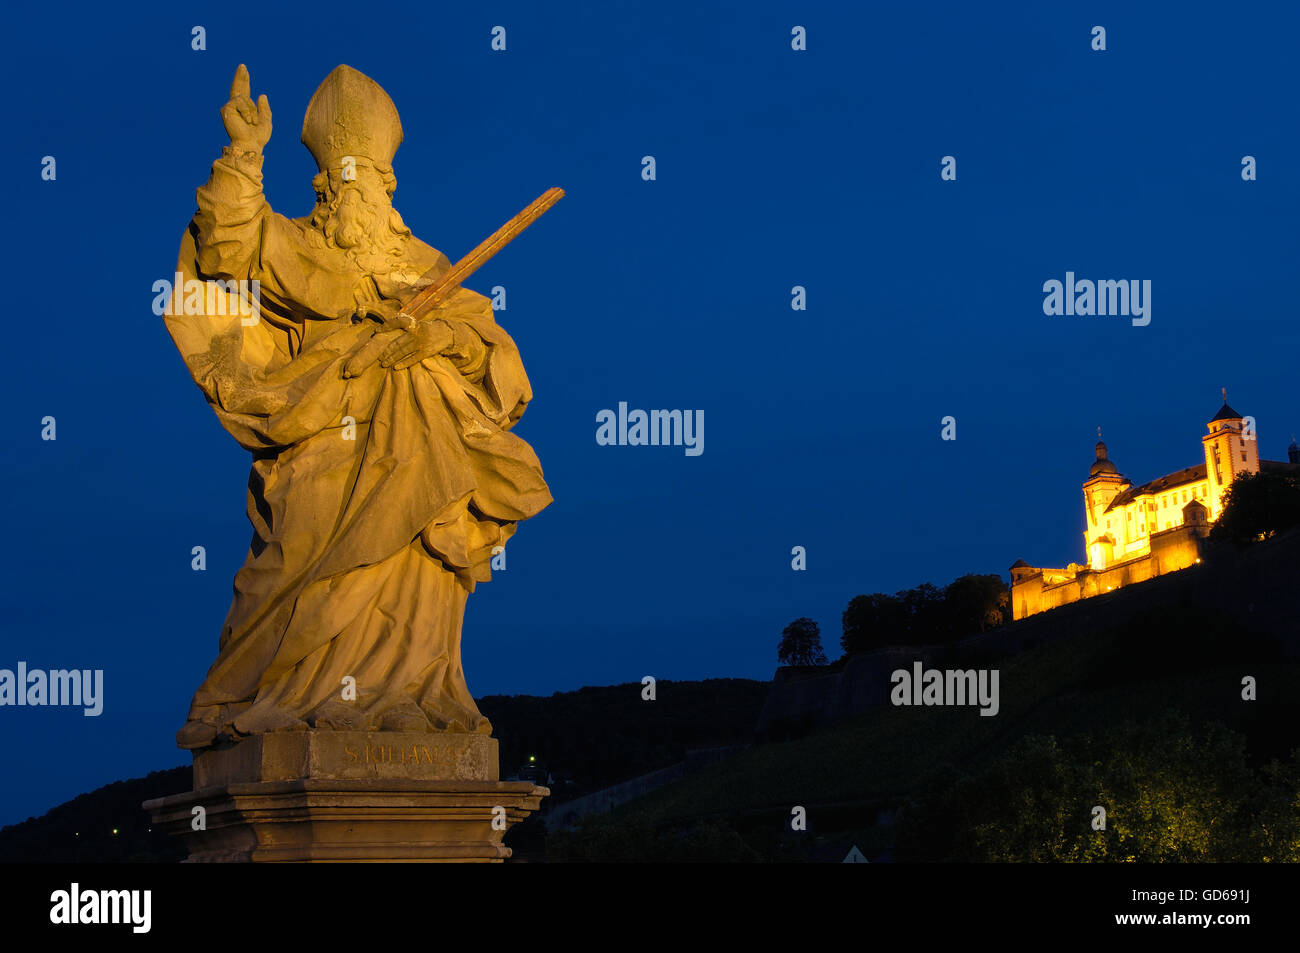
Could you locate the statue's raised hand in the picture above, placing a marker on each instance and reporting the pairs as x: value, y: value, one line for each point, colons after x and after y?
x: 247, y: 123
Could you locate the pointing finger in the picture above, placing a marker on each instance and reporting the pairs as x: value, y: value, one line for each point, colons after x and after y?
x: 239, y: 87
x: 263, y: 108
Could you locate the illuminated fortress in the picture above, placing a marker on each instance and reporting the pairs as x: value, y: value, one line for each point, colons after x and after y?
x: 1136, y: 532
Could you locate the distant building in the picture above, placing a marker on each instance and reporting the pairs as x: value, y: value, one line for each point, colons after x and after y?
x: 1136, y: 532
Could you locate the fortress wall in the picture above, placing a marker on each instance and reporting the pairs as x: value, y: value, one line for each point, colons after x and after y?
x: 1052, y: 597
x: 1171, y: 550
x: 1176, y: 548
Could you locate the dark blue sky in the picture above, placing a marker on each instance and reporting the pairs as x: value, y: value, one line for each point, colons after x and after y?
x: 775, y: 168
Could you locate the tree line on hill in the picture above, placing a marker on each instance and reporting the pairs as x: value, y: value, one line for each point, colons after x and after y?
x: 922, y: 615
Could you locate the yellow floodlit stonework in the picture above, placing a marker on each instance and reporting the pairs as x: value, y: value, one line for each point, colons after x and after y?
x: 1133, y: 533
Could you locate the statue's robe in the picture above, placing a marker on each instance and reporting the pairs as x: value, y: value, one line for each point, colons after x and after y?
x: 376, y: 501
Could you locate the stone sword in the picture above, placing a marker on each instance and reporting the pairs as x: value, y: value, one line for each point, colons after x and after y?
x: 440, y: 288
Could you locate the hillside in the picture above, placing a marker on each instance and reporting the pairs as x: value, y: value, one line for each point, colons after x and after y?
x: 855, y: 777
x: 102, y: 826
x: 600, y: 736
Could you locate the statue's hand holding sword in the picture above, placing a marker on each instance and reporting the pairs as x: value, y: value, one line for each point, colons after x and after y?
x: 426, y: 335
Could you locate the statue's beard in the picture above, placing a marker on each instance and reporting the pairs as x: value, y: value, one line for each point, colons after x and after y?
x: 350, y: 225
x: 367, y: 228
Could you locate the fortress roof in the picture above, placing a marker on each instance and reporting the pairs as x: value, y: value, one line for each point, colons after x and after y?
x: 1102, y: 464
x: 1226, y: 413
x: 1170, y: 481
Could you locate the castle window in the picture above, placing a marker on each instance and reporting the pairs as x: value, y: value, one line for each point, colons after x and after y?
x: 1243, y: 456
x: 1184, y: 496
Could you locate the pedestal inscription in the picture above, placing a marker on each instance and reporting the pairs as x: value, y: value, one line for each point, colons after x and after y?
x: 349, y: 756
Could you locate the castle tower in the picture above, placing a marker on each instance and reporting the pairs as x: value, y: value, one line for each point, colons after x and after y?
x: 1229, y: 452
x: 1104, y: 483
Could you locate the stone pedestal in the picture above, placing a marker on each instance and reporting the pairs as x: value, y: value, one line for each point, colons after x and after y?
x: 348, y: 796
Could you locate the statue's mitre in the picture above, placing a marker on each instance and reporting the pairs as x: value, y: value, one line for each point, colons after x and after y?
x: 350, y: 115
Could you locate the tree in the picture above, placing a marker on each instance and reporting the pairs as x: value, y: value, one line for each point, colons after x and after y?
x: 1259, y: 505
x: 923, y: 610
x: 975, y: 603
x: 872, y: 622
x: 924, y: 614
x: 801, y: 644
x: 1171, y: 791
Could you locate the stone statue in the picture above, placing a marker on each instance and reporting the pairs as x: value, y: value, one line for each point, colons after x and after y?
x: 384, y: 470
